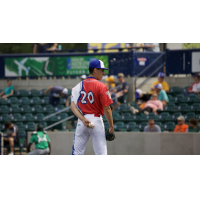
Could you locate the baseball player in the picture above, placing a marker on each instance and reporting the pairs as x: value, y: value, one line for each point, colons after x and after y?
x: 90, y: 101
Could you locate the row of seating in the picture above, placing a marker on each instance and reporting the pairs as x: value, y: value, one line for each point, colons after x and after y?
x: 27, y: 101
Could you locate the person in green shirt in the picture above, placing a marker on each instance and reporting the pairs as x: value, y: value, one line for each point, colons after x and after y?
x: 41, y: 140
x: 193, y: 126
x: 8, y: 91
x: 162, y: 95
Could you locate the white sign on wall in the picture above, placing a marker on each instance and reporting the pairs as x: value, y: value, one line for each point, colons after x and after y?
x: 195, y: 62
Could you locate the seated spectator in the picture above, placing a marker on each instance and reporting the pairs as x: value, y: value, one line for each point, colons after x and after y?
x: 8, y: 91
x: 140, y: 97
x: 152, y: 127
x: 83, y: 77
x: 195, y: 87
x: 119, y: 94
x: 56, y: 93
x: 41, y: 140
x: 110, y: 83
x: 152, y: 47
x: 162, y: 95
x: 193, y: 126
x: 11, y: 136
x: 181, y: 127
x: 151, y: 106
x: 160, y: 80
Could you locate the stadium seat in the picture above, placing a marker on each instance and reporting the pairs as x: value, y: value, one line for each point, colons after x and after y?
x: 35, y: 100
x: 24, y: 100
x: 62, y: 116
x: 145, y: 118
x: 126, y: 110
x: 159, y: 124
x: 114, y: 113
x: 175, y: 90
x: 34, y: 93
x: 170, y: 97
x: 106, y: 125
x: 169, y: 126
x: 178, y: 98
x: 185, y: 89
x: 189, y: 116
x: 13, y: 100
x: 28, y: 117
x: 173, y: 117
x: 3, y: 101
x: 191, y: 98
x: 134, y: 105
x: 130, y: 126
x: 135, y: 130
x: 21, y: 127
x: 38, y: 117
x: 169, y: 108
x: 17, y: 117
x: 26, y: 109
x: 182, y: 107
x: 62, y: 101
x: 37, y: 109
x: 4, y: 109
x: 121, y: 107
x: 48, y: 109
x: 18, y: 123
x: 117, y: 118
x: 1, y: 127
x: 197, y: 100
x: 45, y: 100
x: 30, y: 126
x: 22, y: 93
x: 198, y: 116
x: 137, y: 117
x: 119, y: 126
x: 126, y: 117
x: 142, y: 125
x: 21, y: 137
x: 5, y: 117
x: 42, y: 92
x: 59, y: 107
x: 72, y: 130
x: 163, y: 116
x: 14, y: 109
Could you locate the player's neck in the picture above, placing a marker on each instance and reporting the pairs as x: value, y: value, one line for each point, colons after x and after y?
x: 92, y: 76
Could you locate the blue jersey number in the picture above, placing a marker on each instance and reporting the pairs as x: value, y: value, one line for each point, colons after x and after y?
x: 90, y: 97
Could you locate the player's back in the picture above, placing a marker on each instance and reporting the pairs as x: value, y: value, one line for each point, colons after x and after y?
x: 92, y: 97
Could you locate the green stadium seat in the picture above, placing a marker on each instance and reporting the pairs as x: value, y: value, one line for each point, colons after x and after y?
x: 28, y: 117
x: 133, y: 104
x: 4, y: 117
x: 175, y: 90
x: 21, y: 127
x: 62, y: 116
x: 114, y: 113
x: 45, y: 100
x: 159, y: 124
x: 19, y: 123
x: 117, y: 118
x: 169, y: 108
x: 126, y: 117
x: 182, y: 107
x: 24, y: 100
x: 37, y: 109
x: 197, y: 100
x: 131, y: 125
x: 1, y: 127
x: 192, y: 98
x: 38, y: 117
x: 26, y: 109
x: 145, y: 118
x: 194, y: 108
x: 170, y: 97
x: 126, y: 110
x: 22, y: 138
x: 169, y: 126
x: 13, y: 100
x: 163, y: 116
x: 22, y: 93
x: 137, y: 117
x: 106, y: 125
x: 59, y: 107
x: 48, y: 109
x: 30, y: 126
x: 17, y: 117
x: 35, y: 100
x: 3, y: 101
x: 72, y: 130
x: 198, y: 116
x: 189, y: 116
x: 174, y: 117
x: 142, y: 125
x: 119, y: 126
x: 121, y: 106
x: 34, y: 93
x: 14, y: 109
x: 186, y: 88
x: 62, y: 101
x: 178, y: 98
x: 42, y: 93
x: 4, y: 109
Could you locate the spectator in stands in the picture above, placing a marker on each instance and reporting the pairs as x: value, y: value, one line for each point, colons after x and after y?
x: 11, y: 136
x: 152, y: 127
x: 8, y: 91
x: 41, y: 140
x: 162, y: 95
x: 193, y: 126
x: 152, y: 47
x: 152, y: 105
x: 181, y: 127
x: 110, y: 83
x: 160, y: 80
x: 56, y: 93
x: 83, y: 77
x: 44, y: 47
x: 121, y: 91
x: 195, y: 87
x: 140, y: 97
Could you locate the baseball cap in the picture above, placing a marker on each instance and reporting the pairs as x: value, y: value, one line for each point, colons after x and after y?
x: 161, y: 75
x: 197, y: 75
x: 159, y: 86
x: 110, y: 79
x: 120, y: 75
x: 83, y: 76
x: 65, y: 91
x: 138, y: 92
x: 181, y: 118
x: 97, y: 64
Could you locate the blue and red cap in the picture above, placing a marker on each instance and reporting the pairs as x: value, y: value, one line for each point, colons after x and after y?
x: 161, y: 75
x: 97, y: 64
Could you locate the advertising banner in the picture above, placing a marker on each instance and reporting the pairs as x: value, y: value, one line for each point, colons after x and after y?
x: 51, y: 66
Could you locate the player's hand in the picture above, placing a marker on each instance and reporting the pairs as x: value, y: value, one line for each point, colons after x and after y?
x: 86, y: 122
x: 111, y: 129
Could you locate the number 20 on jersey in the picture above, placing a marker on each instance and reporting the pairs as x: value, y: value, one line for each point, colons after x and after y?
x: 90, y: 97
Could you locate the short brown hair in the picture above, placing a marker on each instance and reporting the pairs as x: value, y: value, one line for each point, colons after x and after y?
x: 193, y: 121
x: 8, y: 80
x: 7, y: 124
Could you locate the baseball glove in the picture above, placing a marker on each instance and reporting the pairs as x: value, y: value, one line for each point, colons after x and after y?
x: 109, y: 136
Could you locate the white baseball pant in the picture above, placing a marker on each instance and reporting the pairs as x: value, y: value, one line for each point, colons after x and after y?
x: 97, y: 135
